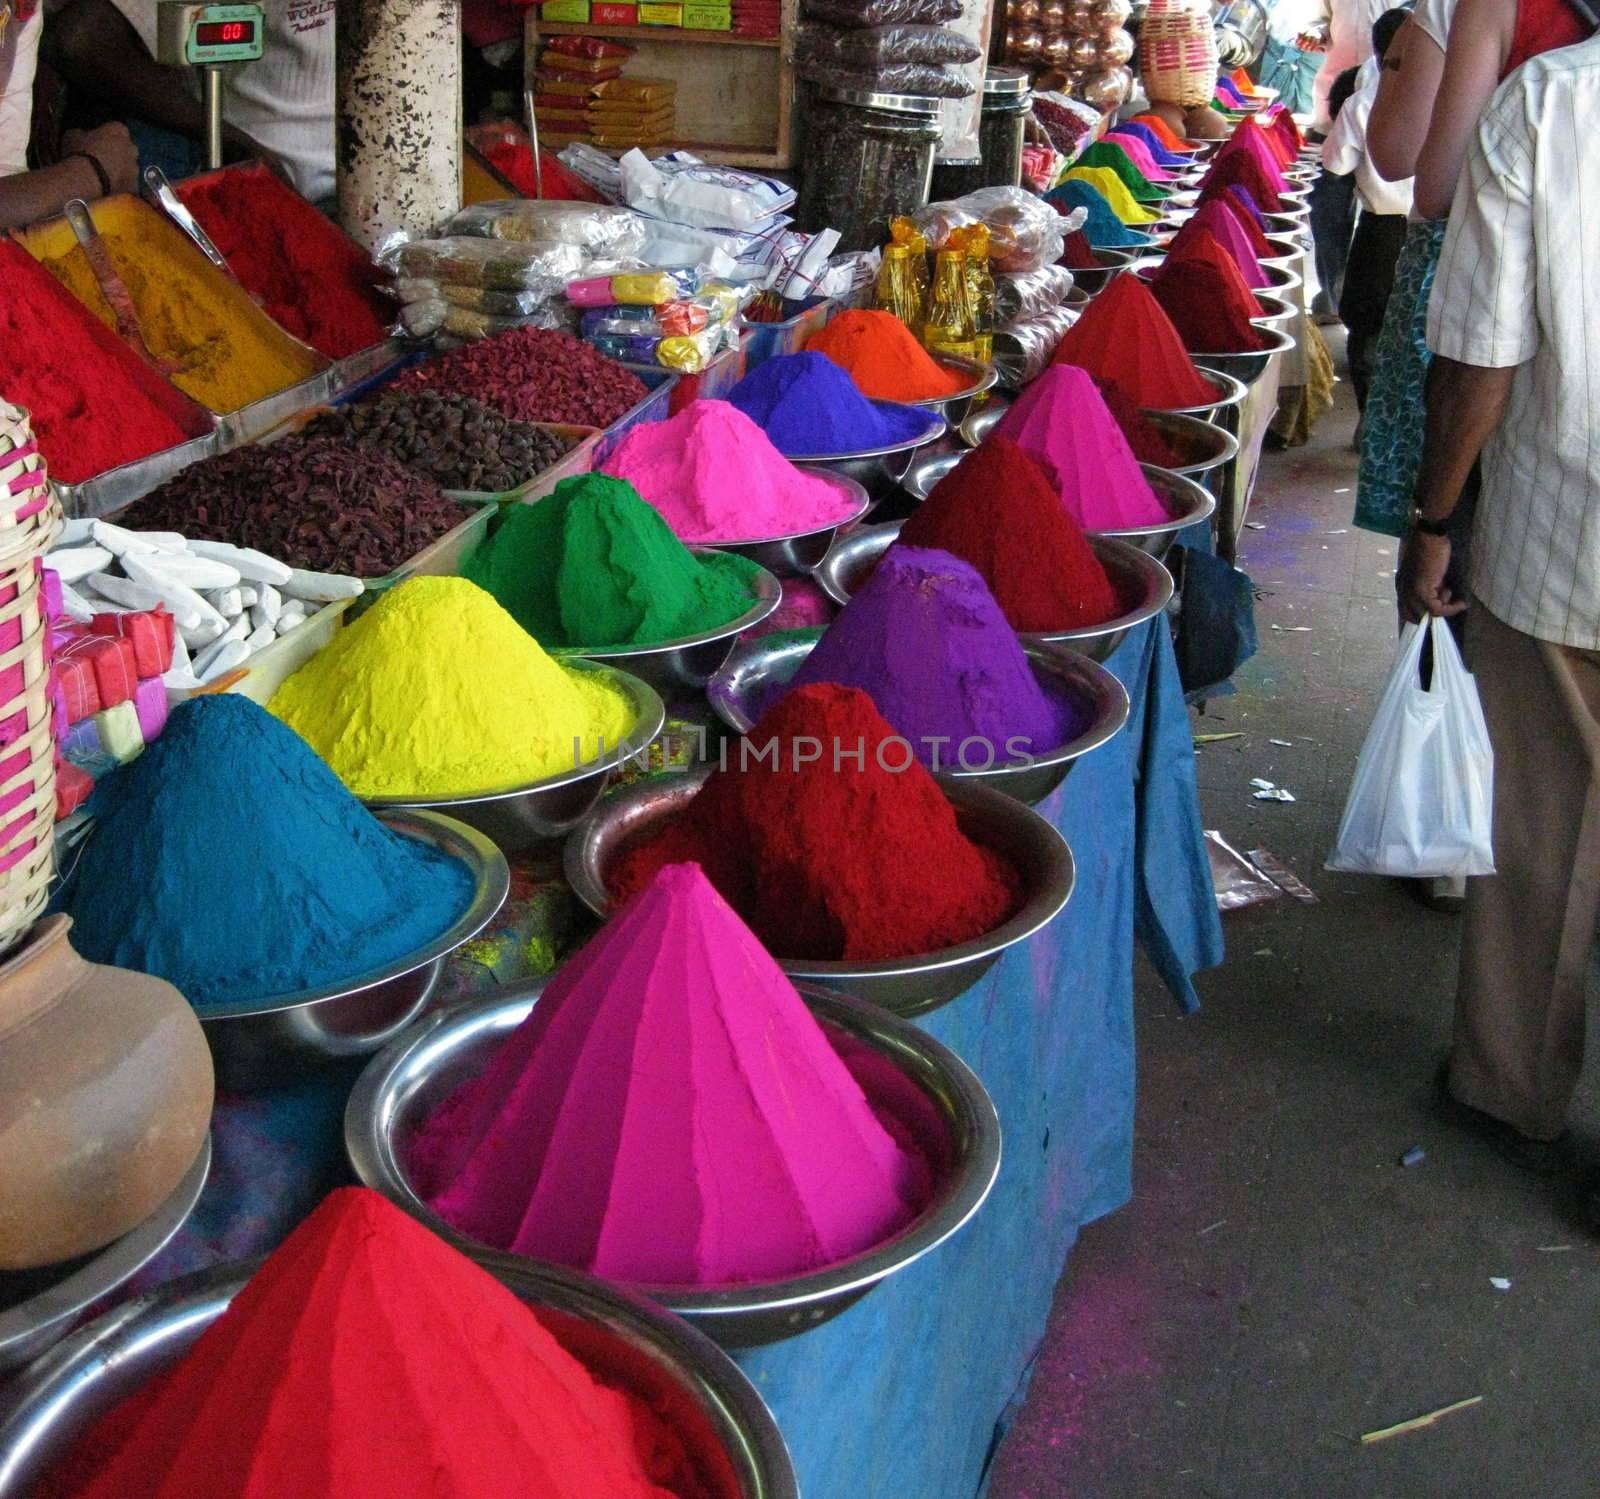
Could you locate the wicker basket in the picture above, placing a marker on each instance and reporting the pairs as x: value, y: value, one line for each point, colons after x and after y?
x: 30, y: 520
x: 1178, y: 53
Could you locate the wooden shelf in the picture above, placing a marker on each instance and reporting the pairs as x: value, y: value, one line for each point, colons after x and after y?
x: 658, y: 34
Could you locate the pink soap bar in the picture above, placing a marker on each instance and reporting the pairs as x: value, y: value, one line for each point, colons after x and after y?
x: 150, y: 703
x: 150, y: 632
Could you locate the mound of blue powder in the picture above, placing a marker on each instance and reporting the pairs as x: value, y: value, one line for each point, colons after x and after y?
x: 1103, y: 229
x: 809, y: 407
x: 229, y: 860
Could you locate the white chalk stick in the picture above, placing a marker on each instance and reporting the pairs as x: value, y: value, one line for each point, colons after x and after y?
x: 198, y: 573
x: 179, y: 597
x: 260, y: 638
x: 76, y: 531
x: 122, y: 542
x: 231, y: 653
x: 180, y: 651
x: 228, y: 602
x: 205, y: 632
x: 72, y: 563
x: 323, y: 588
x: 235, y: 632
x: 249, y: 595
x: 75, y: 606
x: 132, y: 595
x: 270, y: 600
x: 257, y: 566
x: 178, y: 683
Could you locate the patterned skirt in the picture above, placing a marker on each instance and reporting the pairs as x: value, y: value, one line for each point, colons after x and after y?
x: 1391, y: 433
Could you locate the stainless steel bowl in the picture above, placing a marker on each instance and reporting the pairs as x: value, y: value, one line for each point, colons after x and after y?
x: 1095, y: 280
x: 1224, y: 409
x: 926, y: 472
x: 524, y: 816
x: 1282, y: 280
x: 759, y: 668
x: 408, y: 1081
x: 981, y: 423
x: 1140, y: 580
x: 794, y: 555
x: 689, y: 1382
x: 38, y: 1307
x: 908, y: 986
x: 1248, y: 368
x: 266, y: 1040
x: 954, y: 408
x: 1203, y: 448
x: 877, y: 470
x: 1186, y: 501
x: 674, y: 667
x: 1276, y: 311
x: 1288, y: 255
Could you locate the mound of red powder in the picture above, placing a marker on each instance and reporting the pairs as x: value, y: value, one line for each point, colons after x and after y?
x: 513, y: 159
x: 306, y: 274
x: 1000, y: 510
x: 1125, y: 339
x: 93, y: 402
x: 368, y: 1359
x: 1203, y: 292
x: 1241, y: 168
x: 1077, y: 254
x: 1148, y: 445
x: 824, y: 857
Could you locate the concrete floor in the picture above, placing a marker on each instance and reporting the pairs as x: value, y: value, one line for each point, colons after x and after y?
x: 1279, y: 1285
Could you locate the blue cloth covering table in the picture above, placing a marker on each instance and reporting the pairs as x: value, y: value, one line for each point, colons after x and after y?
x: 905, y: 1395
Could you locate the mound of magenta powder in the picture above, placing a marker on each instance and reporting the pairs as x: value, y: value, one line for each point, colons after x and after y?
x: 230, y: 861
x: 671, y: 1113
x: 925, y: 639
x: 808, y: 406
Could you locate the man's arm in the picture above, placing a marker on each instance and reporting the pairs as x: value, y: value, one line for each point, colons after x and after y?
x: 1465, y: 404
x: 28, y: 197
x: 1407, y: 86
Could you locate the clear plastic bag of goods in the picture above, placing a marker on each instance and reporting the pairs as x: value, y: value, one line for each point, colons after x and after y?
x: 600, y: 228
x: 870, y: 48
x: 464, y: 323
x: 477, y: 298
x: 1023, y: 349
x: 920, y: 78
x: 1025, y: 294
x: 1421, y: 802
x: 487, y: 262
x: 1025, y: 232
x: 882, y: 12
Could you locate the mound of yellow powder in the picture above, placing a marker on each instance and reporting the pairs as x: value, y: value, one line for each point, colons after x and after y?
x: 437, y: 691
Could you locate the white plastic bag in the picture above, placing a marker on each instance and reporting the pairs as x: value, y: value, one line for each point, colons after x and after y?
x: 1422, y: 798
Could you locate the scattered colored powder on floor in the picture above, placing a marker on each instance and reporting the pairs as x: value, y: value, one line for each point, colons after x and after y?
x: 998, y: 510
x: 1102, y: 228
x: 1111, y: 188
x: 1113, y: 157
x: 715, y: 476
x: 94, y: 404
x: 1210, y: 305
x: 808, y: 406
x: 367, y: 1358
x: 308, y: 276
x: 884, y: 358
x: 228, y: 860
x: 1241, y: 169
x: 825, y: 858
x: 1061, y: 419
x: 1160, y: 153
x: 1215, y: 221
x: 221, y: 359
x: 1163, y: 132
x: 1125, y: 338
x: 1077, y: 254
x: 926, y: 640
x: 436, y: 691
x: 670, y: 1113
x: 1148, y: 445
x: 593, y: 565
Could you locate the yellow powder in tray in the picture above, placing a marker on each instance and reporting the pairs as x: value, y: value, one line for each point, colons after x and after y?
x: 224, y: 358
x: 437, y: 691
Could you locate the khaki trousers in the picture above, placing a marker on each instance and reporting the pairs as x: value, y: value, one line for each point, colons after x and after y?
x: 1519, y: 1024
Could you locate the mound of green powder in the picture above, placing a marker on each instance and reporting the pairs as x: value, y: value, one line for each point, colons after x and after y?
x: 593, y: 566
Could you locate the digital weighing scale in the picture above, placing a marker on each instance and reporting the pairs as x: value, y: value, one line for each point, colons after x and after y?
x: 208, y: 37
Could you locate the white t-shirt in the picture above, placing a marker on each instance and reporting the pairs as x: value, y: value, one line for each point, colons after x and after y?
x: 19, y: 55
x: 1345, y: 149
x: 285, y: 100
x: 1434, y: 17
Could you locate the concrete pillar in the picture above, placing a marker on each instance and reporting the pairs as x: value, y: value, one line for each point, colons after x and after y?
x: 399, y: 115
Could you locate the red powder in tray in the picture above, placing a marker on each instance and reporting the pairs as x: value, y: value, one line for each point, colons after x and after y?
x: 307, y: 275
x: 94, y: 403
x: 1000, y: 509
x: 825, y: 858
x: 370, y: 1360
x: 1202, y: 290
x: 513, y: 159
x: 1126, y: 339
x: 1148, y: 445
x: 1241, y: 168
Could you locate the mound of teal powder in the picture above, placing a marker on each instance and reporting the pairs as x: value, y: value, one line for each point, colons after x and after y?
x: 229, y: 860
x: 1103, y: 229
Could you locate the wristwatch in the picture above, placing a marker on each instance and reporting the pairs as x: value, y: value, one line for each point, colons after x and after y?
x: 1420, y: 522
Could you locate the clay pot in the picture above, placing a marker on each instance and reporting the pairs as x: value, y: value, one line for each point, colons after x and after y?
x: 1171, y: 114
x: 105, y: 1099
x: 1206, y: 124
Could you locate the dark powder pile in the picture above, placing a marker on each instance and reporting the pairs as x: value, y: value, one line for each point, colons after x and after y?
x: 313, y: 502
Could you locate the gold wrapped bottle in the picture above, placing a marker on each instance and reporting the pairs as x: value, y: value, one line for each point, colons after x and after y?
x: 980, y: 291
x: 902, y: 231
x: 897, y: 286
x: 947, y: 326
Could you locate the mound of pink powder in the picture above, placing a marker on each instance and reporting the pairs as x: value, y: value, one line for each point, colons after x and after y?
x: 715, y: 476
x: 672, y: 1114
x: 1062, y: 420
x: 1216, y: 219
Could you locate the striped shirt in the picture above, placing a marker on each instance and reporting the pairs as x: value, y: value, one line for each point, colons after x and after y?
x: 1517, y: 286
